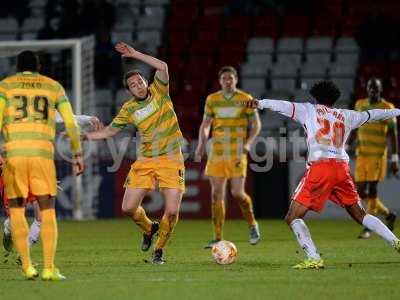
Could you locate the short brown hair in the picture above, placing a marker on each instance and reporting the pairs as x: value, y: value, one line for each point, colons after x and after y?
x: 129, y: 74
x: 228, y: 69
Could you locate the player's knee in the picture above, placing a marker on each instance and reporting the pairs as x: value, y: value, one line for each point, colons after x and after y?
x: 126, y: 209
x: 217, y: 195
x: 289, y: 219
x: 237, y: 193
x: 172, y: 216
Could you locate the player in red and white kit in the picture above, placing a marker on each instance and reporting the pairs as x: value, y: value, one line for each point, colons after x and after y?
x: 328, y: 173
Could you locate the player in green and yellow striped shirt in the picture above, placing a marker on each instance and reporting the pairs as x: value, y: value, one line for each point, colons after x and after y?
x: 28, y: 105
x: 371, y: 153
x: 160, y: 158
x: 234, y: 129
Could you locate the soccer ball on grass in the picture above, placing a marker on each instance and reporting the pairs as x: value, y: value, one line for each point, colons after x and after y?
x: 224, y: 252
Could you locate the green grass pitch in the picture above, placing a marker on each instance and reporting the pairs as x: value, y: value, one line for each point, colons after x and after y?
x: 102, y: 260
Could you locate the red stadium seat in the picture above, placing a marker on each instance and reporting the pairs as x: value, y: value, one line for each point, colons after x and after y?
x: 176, y: 64
x: 296, y: 26
x: 266, y: 26
x: 197, y: 85
x: 333, y: 10
x: 200, y: 48
x: 180, y: 37
x: 177, y: 50
x: 359, y: 12
x: 231, y: 37
x: 212, y: 23
x: 392, y: 95
x: 207, y: 36
x: 349, y: 26
x: 375, y: 69
x: 238, y: 24
x: 205, y: 62
x: 395, y: 70
x: 185, y: 11
x: 187, y: 99
x: 324, y: 25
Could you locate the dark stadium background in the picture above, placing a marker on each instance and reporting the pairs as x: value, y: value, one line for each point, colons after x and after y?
x: 279, y: 47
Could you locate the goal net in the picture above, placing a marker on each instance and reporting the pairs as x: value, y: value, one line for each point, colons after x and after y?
x: 71, y: 62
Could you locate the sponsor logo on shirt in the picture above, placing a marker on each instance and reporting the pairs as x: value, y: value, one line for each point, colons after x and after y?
x: 227, y: 112
x: 145, y: 112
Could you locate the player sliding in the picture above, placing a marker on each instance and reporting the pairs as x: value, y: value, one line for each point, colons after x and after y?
x: 328, y: 173
x: 160, y: 159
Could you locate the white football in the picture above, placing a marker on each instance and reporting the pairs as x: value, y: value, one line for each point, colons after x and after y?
x: 224, y: 252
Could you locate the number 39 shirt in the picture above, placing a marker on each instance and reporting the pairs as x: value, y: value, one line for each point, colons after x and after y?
x: 29, y: 102
x: 327, y: 129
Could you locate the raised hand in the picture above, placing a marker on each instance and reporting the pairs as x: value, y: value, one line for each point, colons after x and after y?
x: 125, y: 50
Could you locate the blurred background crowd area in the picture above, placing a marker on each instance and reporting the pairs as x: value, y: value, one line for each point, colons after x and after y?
x: 280, y: 48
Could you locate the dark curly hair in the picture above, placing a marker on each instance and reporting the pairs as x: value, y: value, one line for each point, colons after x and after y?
x: 325, y: 92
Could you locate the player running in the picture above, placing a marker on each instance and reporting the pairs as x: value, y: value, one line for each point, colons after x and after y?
x: 234, y: 130
x: 328, y: 173
x: 34, y: 229
x: 371, y: 154
x: 28, y: 104
x: 160, y: 159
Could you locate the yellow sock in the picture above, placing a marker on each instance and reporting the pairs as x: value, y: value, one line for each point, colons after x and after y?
x: 20, y: 231
x: 218, y: 217
x: 141, y: 219
x: 167, y: 226
x: 372, y: 205
x: 381, y: 208
x: 246, y: 206
x: 49, y: 236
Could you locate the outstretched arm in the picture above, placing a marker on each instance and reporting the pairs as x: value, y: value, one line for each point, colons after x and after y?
x: 83, y: 120
x: 128, y: 51
x: 296, y: 111
x: 372, y: 115
x: 104, y: 133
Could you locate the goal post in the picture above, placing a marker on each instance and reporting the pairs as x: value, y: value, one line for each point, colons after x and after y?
x: 74, y: 69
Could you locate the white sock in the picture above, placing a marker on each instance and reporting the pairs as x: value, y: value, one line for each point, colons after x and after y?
x: 34, y: 232
x: 303, y: 236
x: 7, y: 226
x: 376, y: 225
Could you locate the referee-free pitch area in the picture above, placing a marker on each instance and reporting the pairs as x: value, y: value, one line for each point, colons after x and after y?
x: 102, y: 260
